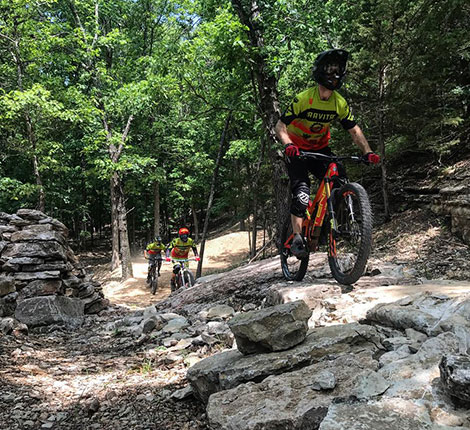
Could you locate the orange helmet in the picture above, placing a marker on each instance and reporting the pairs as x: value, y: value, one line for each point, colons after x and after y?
x: 183, y: 233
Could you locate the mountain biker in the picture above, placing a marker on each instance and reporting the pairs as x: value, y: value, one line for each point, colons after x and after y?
x: 154, y: 252
x: 179, y: 248
x: 305, y: 125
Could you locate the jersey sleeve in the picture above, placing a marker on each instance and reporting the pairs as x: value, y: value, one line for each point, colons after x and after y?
x: 291, y: 112
x: 346, y: 118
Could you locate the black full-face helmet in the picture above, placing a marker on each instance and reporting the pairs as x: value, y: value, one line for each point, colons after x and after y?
x: 329, y: 68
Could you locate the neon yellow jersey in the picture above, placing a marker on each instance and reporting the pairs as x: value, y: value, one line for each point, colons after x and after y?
x: 155, y: 248
x: 308, y: 118
x: 180, y: 249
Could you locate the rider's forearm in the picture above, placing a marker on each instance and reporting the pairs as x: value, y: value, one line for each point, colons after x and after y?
x: 359, y: 139
x: 195, y: 251
x: 282, y: 134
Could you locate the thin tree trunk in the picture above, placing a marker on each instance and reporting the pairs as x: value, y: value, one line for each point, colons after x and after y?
x: 381, y: 138
x: 265, y: 84
x: 115, y: 259
x: 123, y: 236
x: 196, y: 223
x: 254, y: 230
x: 41, y: 206
x: 211, y: 194
x: 156, y: 209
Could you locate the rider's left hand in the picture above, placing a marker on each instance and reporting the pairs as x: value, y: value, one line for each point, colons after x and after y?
x: 371, y: 158
x: 197, y: 258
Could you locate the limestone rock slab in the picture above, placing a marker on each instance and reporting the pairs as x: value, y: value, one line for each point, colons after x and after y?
x: 44, y: 287
x: 51, y: 249
x: 45, y: 310
x: 312, y: 295
x: 288, y: 401
x: 276, y: 328
x: 231, y: 368
x: 7, y: 285
x: 387, y: 414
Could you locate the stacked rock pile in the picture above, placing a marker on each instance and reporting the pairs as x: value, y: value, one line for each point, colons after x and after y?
x: 41, y: 280
x: 381, y: 374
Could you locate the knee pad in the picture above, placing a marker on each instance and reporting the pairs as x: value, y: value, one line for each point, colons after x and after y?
x: 300, y: 198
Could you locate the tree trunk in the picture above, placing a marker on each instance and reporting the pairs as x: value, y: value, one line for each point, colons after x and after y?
x: 211, y: 194
x: 255, y: 227
x: 156, y: 209
x: 381, y: 138
x: 121, y: 226
x: 265, y: 84
x: 115, y: 258
x: 196, y: 223
x: 118, y: 203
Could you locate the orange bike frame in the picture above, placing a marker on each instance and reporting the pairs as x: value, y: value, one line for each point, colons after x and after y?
x: 313, y: 222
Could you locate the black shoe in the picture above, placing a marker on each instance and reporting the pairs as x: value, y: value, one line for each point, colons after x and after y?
x: 158, y: 273
x: 297, y: 247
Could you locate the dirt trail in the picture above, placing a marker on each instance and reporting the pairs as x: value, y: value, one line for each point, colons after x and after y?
x: 220, y: 254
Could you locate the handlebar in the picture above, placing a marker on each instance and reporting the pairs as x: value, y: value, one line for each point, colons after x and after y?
x: 181, y: 259
x: 318, y: 156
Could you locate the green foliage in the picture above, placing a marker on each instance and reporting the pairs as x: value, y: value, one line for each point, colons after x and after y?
x: 73, y: 77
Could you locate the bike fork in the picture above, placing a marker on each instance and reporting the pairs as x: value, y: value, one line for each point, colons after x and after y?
x: 329, y: 202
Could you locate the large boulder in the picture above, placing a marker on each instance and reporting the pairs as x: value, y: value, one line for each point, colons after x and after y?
x: 272, y: 329
x: 45, y: 310
x: 455, y: 377
x: 231, y: 368
x: 294, y: 400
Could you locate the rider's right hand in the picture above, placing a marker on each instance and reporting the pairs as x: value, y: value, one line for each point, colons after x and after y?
x: 291, y: 150
x: 168, y: 259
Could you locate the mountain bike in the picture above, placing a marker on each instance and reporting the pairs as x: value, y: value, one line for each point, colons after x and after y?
x: 339, y: 216
x: 153, y: 275
x: 184, y: 278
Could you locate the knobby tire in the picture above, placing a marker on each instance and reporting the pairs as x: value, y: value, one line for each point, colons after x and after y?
x: 349, y: 251
x: 292, y: 268
x: 154, y: 280
x: 189, y: 278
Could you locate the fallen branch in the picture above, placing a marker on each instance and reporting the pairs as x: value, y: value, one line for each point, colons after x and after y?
x: 260, y: 251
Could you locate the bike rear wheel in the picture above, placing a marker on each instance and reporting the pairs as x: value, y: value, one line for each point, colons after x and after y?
x: 293, y: 269
x: 349, y: 247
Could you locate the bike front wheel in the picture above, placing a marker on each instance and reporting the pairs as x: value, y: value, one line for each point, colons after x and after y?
x: 350, y: 245
x: 154, y: 282
x: 293, y: 269
x: 188, y: 279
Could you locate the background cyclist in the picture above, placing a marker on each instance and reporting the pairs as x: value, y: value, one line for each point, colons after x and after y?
x: 179, y: 248
x: 305, y: 125
x: 154, y: 252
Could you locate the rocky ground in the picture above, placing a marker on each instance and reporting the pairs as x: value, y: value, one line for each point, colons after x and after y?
x: 123, y: 368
